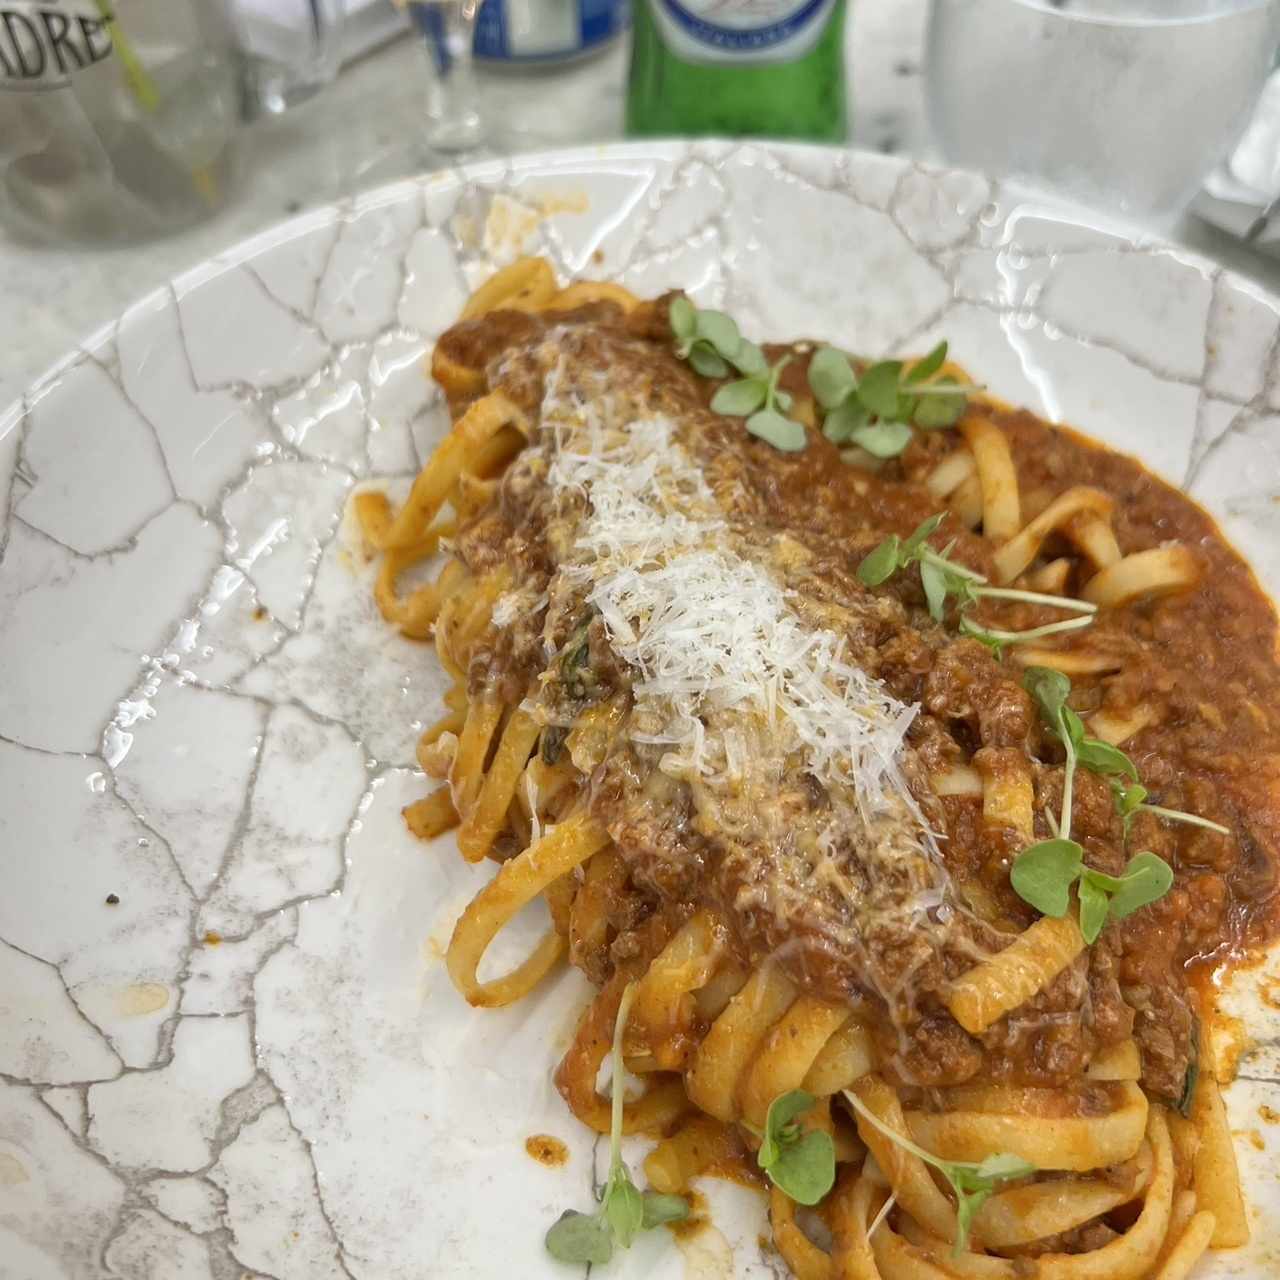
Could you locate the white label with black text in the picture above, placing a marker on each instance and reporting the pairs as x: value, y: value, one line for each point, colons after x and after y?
x: 43, y: 44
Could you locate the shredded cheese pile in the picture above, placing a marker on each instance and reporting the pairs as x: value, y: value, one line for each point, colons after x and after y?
x: 706, y: 629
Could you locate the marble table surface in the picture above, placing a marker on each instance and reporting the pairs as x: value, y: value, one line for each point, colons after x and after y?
x: 366, y: 129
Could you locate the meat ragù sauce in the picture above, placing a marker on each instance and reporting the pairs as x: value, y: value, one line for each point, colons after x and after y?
x: 1195, y: 671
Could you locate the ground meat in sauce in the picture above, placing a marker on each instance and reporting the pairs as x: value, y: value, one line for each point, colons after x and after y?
x: 1203, y: 661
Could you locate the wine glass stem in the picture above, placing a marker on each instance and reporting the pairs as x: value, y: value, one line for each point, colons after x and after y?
x: 453, y: 115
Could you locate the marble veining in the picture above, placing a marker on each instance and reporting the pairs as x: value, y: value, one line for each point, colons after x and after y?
x: 228, y: 1047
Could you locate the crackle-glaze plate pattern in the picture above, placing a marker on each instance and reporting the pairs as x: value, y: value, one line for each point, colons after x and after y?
x: 228, y: 1046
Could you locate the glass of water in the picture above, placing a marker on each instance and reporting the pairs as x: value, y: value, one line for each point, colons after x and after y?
x: 121, y: 120
x: 1121, y: 103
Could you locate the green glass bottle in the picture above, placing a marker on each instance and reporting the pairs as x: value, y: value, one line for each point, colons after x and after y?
x: 732, y: 67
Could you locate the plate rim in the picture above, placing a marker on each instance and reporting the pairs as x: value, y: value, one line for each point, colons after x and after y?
x: 191, y: 277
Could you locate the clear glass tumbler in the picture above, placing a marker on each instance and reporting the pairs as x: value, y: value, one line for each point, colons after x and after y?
x: 121, y: 120
x: 1126, y: 104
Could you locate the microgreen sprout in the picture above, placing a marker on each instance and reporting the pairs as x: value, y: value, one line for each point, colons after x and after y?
x: 714, y: 347
x: 1043, y: 874
x: 624, y: 1210
x: 706, y: 339
x: 972, y: 1183
x: 943, y: 579
x: 877, y: 410
x: 758, y: 398
x: 800, y: 1162
x: 1050, y: 690
x: 1132, y: 800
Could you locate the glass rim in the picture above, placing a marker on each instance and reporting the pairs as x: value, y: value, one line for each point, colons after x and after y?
x: 1234, y: 9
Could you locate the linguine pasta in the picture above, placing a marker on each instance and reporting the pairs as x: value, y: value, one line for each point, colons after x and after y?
x: 785, y: 804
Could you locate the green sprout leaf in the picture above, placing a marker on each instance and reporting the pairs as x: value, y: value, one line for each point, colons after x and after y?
x: 878, y: 388
x: 580, y: 1237
x: 972, y: 1183
x: 1043, y: 874
x: 749, y: 359
x: 916, y: 540
x: 782, y: 433
x: 1102, y: 758
x: 882, y: 439
x: 881, y: 564
x: 841, y: 423
x: 1049, y: 690
x: 885, y: 393
x: 738, y: 399
x: 1128, y: 801
x: 942, y: 578
x: 624, y: 1210
x: 623, y: 1207
x: 934, y: 581
x: 720, y: 330
x: 714, y: 347
x: 806, y: 1169
x: 996, y: 639
x: 831, y: 378
x: 660, y: 1209
x: 1093, y: 909
x: 779, y: 1119
x: 924, y: 369
x: 1147, y: 878
x: 707, y: 361
x: 939, y: 406
x: 800, y: 1162
x: 682, y: 317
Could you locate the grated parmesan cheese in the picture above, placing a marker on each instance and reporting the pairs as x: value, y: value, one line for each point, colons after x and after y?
x: 706, y: 629
x: 788, y: 755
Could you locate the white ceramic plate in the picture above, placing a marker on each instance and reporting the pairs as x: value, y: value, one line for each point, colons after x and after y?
x: 253, y: 1063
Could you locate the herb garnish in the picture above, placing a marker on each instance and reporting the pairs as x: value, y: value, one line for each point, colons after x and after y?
x: 877, y: 410
x: 1044, y: 873
x: 758, y: 398
x: 972, y: 1183
x: 706, y: 339
x: 1130, y: 800
x: 943, y: 579
x: 713, y: 346
x: 799, y: 1162
x: 624, y: 1210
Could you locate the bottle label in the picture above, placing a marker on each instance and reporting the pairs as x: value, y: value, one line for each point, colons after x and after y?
x: 546, y: 30
x: 42, y: 45
x: 741, y: 31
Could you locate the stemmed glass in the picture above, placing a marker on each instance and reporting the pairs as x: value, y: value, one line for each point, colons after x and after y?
x: 454, y: 120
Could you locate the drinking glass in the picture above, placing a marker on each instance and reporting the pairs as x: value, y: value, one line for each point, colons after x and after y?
x: 121, y: 119
x: 1122, y: 103
x: 454, y: 122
